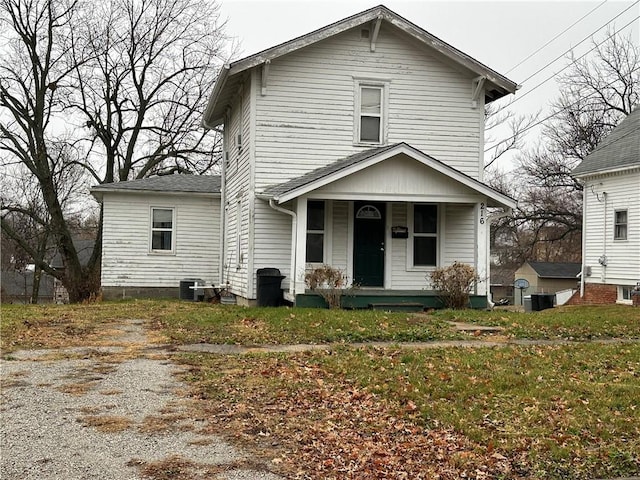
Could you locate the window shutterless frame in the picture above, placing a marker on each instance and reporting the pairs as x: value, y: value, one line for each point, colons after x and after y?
x: 315, y: 231
x: 620, y: 225
x: 424, y: 242
x: 370, y: 115
x: 162, y: 235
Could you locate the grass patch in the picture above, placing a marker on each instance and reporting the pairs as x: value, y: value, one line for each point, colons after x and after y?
x: 226, y: 324
x: 55, y: 326
x: 106, y: 423
x: 566, y: 322
x: 561, y: 412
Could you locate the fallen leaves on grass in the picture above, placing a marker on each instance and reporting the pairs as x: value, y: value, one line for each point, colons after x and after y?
x: 311, y: 426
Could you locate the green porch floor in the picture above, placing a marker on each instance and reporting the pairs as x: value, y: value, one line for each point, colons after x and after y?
x: 397, y: 300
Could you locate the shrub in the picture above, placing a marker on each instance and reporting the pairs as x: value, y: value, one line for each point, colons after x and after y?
x: 454, y: 283
x: 328, y: 282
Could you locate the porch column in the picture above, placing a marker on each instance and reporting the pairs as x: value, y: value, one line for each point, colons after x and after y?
x: 301, y: 244
x: 482, y: 248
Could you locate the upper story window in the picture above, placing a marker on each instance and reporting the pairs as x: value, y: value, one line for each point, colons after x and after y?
x: 425, y: 235
x: 371, y: 115
x: 620, y: 225
x: 162, y: 229
x: 315, y: 231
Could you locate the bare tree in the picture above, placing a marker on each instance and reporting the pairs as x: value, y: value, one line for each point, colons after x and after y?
x: 101, y: 92
x: 597, y: 92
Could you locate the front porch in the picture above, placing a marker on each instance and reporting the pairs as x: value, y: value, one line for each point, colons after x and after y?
x: 378, y: 299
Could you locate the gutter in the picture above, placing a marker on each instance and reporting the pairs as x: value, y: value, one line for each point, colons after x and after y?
x: 294, y: 228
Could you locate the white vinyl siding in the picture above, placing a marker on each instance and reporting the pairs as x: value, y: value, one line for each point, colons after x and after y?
x: 237, y: 141
x: 623, y: 256
x: 126, y: 257
x: 340, y: 236
x: 273, y: 240
x: 306, y: 119
x: 459, y: 235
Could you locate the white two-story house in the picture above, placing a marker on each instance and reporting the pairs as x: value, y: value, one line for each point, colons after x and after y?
x: 360, y: 146
x: 611, y: 216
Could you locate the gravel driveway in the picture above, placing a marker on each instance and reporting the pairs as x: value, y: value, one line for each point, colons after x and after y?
x: 111, y: 413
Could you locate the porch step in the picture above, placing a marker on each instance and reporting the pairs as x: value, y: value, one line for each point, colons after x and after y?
x: 397, y: 307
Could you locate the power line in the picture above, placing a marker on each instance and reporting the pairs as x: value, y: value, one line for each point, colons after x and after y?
x: 557, y: 36
x: 550, y: 116
x: 582, y: 41
x: 572, y: 62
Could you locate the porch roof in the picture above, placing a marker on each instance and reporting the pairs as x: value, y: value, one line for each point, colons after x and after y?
x: 327, y: 174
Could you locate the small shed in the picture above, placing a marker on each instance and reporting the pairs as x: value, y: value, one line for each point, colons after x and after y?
x: 547, y: 277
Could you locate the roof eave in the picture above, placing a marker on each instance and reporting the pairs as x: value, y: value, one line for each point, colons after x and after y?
x: 502, y: 86
x: 211, y: 119
x: 99, y: 193
x: 606, y: 171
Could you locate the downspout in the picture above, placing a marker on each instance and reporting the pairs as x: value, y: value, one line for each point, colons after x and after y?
x: 294, y: 227
x: 584, y: 240
x: 604, y: 240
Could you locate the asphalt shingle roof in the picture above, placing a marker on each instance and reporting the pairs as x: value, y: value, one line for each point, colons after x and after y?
x: 620, y: 149
x: 556, y: 269
x: 166, y: 183
x: 318, y: 173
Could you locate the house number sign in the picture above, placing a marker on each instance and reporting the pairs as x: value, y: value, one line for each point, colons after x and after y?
x: 482, y: 213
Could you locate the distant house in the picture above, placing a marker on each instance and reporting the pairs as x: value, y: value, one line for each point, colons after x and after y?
x: 502, y: 283
x: 611, y: 216
x: 547, y: 277
x: 358, y: 145
x: 17, y: 287
x: 84, y: 248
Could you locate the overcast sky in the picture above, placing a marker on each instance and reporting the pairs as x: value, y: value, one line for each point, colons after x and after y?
x: 499, y: 34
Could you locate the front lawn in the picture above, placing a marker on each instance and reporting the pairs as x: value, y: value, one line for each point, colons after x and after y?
x: 561, y: 412
x: 566, y: 322
x: 514, y: 412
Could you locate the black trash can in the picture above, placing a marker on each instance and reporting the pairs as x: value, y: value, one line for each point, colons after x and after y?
x: 269, y: 291
x: 542, y: 301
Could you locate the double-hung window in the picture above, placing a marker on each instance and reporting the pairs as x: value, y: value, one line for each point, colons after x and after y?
x: 425, y: 235
x: 370, y: 113
x: 620, y: 225
x: 315, y: 231
x: 162, y: 230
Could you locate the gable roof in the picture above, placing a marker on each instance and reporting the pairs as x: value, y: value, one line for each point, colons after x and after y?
x: 84, y: 248
x: 226, y: 85
x: 556, y: 269
x: 341, y: 168
x: 181, y: 183
x: 620, y: 150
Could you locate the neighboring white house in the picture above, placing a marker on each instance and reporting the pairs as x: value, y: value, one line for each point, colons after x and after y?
x: 611, y: 216
x: 158, y: 231
x: 359, y: 145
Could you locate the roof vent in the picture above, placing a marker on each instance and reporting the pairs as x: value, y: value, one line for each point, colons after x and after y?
x: 364, y: 33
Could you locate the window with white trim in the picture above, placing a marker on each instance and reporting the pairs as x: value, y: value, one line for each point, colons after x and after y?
x: 620, y: 225
x: 624, y: 294
x: 315, y: 231
x: 370, y: 114
x: 162, y: 229
x: 425, y: 235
